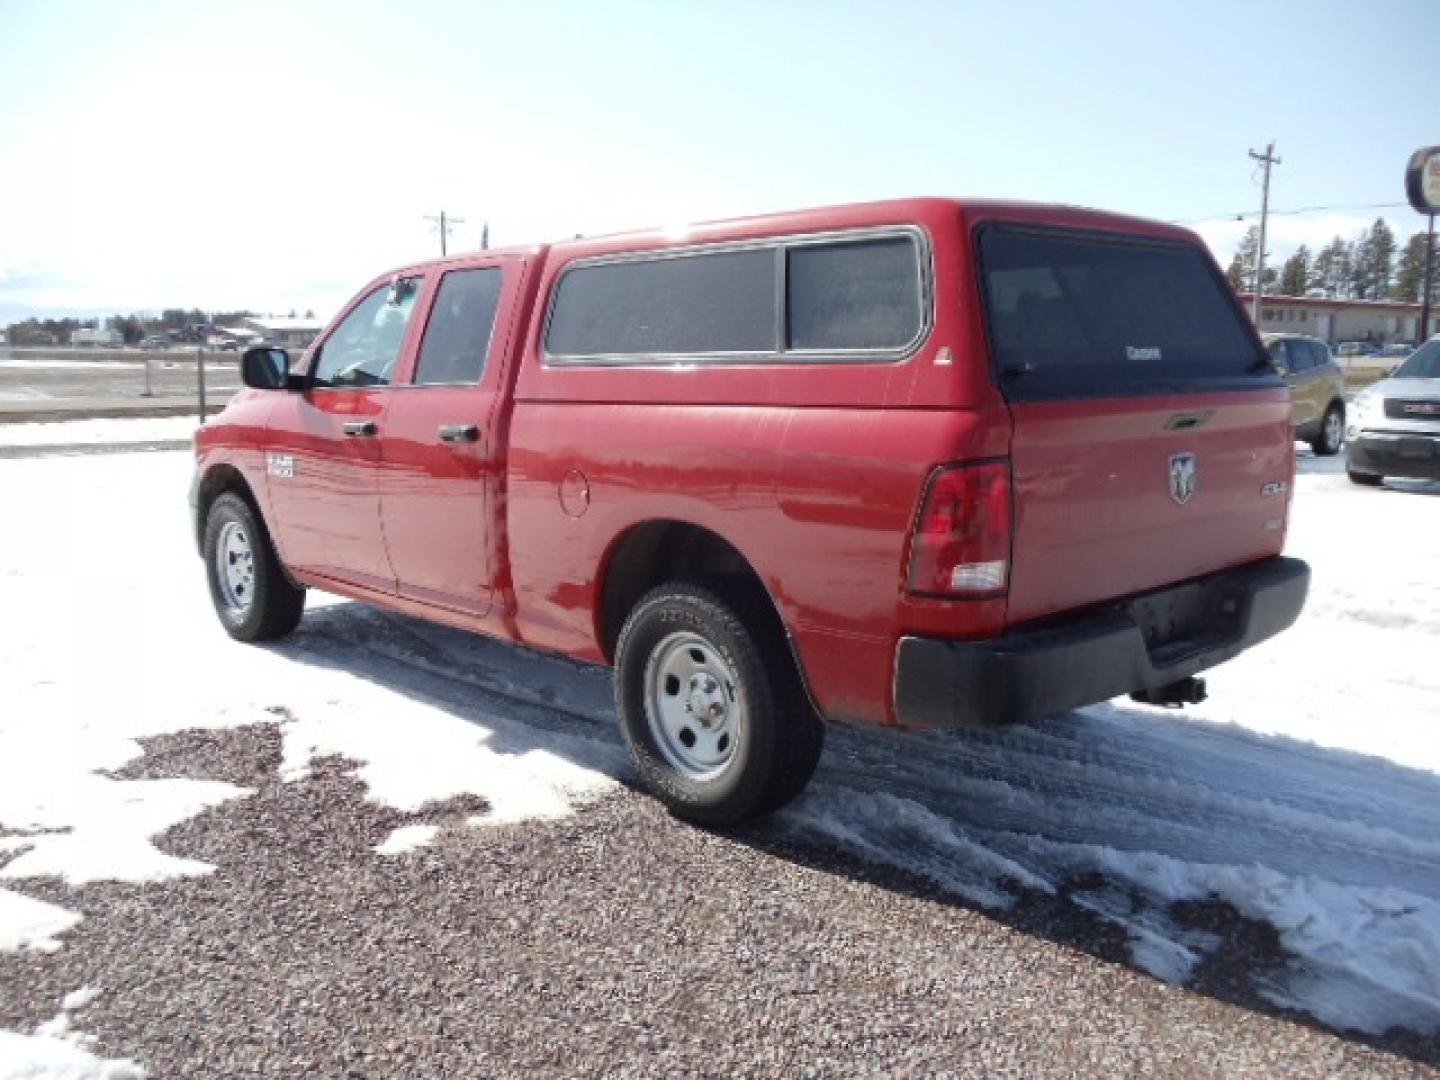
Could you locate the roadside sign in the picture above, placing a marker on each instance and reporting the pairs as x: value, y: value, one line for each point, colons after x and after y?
x: 1422, y: 180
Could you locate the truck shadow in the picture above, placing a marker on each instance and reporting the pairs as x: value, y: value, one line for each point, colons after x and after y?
x: 1290, y: 879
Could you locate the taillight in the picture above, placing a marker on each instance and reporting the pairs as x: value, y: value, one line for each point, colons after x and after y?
x: 961, y: 545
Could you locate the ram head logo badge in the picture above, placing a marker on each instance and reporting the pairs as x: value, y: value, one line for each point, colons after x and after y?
x: 1182, y: 477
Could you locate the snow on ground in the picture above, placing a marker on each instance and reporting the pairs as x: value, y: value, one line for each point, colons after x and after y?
x: 407, y: 838
x: 26, y: 923
x: 118, y: 642
x: 43, y: 1057
x: 82, y: 432
x: 58, y: 1052
x: 1305, y: 793
x: 64, y: 365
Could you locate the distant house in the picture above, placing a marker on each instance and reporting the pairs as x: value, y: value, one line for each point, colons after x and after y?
x: 1380, y: 322
x: 105, y: 338
x: 287, y: 332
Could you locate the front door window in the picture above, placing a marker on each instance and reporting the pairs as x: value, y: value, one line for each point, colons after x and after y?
x: 365, y: 347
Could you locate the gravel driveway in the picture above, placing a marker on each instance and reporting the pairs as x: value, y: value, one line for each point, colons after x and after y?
x: 612, y: 942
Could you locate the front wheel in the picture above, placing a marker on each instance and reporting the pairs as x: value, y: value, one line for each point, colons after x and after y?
x: 1332, y: 432
x: 711, y: 705
x: 252, y: 595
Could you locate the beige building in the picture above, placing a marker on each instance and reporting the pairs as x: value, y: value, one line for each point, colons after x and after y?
x: 1381, y: 322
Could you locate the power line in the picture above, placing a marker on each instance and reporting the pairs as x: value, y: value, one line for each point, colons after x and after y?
x: 1241, y: 215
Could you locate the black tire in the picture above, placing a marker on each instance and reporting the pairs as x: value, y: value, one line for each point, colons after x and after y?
x: 1364, y: 479
x: 268, y: 605
x: 777, y: 743
x: 1328, y: 439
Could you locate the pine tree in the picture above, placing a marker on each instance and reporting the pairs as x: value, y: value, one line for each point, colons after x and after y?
x: 1242, y: 267
x: 1332, y: 269
x: 1410, y: 273
x: 1374, y: 260
x: 1295, y: 276
x: 1236, y: 273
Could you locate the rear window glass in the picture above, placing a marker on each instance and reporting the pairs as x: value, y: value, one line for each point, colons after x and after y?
x: 1296, y: 354
x: 719, y: 302
x: 860, y: 295
x: 1072, y: 314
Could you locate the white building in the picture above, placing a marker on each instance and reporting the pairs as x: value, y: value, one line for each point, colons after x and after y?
x: 288, y: 332
x: 1380, y: 322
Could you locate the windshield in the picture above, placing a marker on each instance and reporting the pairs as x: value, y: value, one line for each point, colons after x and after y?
x: 1079, y: 314
x: 1424, y: 362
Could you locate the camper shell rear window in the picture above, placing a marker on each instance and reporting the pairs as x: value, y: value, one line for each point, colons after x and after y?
x: 1077, y: 314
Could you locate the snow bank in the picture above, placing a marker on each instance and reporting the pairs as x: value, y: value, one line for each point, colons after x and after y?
x: 95, y: 432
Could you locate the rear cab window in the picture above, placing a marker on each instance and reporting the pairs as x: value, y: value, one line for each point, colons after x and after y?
x: 458, y: 332
x: 1076, y: 314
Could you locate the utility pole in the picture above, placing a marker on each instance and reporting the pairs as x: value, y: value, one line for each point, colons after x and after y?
x: 444, y: 223
x: 485, y: 237
x: 1269, y: 159
x: 1424, y: 334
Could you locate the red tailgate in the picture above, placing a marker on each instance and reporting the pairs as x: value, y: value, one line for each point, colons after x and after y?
x: 1098, y: 510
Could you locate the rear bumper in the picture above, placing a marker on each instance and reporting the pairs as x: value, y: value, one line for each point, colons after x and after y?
x: 1141, y: 643
x: 1416, y: 456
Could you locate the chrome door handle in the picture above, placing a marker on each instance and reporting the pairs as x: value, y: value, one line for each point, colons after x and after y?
x: 359, y: 427
x: 459, y: 432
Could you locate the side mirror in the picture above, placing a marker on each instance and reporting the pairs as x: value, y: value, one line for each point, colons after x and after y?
x: 265, y: 368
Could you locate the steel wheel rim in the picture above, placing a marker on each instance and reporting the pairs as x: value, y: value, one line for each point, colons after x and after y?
x: 235, y: 567
x: 1334, y: 428
x: 695, y: 715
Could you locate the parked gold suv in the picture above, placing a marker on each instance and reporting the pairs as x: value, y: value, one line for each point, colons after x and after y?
x: 1318, y: 388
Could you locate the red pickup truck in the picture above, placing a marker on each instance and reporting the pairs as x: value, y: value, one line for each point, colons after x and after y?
x: 929, y: 463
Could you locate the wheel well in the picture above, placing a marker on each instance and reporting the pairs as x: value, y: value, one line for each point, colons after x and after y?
x: 661, y: 551
x: 216, y: 482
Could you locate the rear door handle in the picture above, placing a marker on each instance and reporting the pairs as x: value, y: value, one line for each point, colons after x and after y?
x: 359, y: 427
x: 459, y: 432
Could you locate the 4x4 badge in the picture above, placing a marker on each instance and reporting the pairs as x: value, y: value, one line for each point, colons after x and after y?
x: 1182, y: 477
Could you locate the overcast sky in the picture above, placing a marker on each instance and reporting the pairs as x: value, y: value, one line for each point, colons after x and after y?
x: 159, y: 153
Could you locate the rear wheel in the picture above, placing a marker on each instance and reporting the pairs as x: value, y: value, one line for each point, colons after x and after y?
x: 1364, y: 479
x: 252, y: 595
x: 1332, y: 431
x: 711, y: 705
